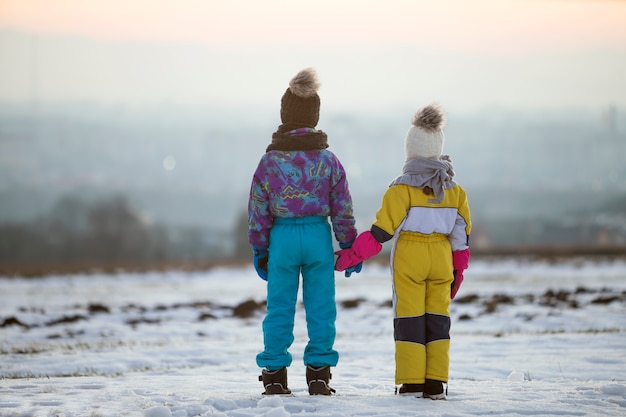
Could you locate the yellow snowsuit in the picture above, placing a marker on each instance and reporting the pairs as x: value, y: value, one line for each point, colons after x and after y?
x: 426, y: 232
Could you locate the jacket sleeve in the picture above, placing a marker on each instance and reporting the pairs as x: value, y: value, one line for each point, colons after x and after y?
x: 459, y: 237
x: 340, y: 201
x: 259, y: 217
x: 391, y: 214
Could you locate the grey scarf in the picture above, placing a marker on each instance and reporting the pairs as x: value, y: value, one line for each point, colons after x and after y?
x: 426, y: 172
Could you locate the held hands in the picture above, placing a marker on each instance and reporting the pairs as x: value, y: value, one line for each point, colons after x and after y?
x: 460, y: 262
x: 351, y: 259
x: 261, y: 257
x: 260, y: 261
x: 353, y: 269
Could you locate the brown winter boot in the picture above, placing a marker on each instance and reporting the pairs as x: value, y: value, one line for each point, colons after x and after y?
x: 414, y: 390
x: 275, y: 382
x: 317, y: 379
x: 434, y: 390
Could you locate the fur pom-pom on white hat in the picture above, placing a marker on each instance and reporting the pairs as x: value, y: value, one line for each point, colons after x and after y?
x: 425, y: 137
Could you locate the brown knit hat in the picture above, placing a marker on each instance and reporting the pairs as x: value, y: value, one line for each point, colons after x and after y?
x: 300, y: 105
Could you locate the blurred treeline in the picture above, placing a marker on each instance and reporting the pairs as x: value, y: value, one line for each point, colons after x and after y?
x: 108, y: 234
x: 108, y: 231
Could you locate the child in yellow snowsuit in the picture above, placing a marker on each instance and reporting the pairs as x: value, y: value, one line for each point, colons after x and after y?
x: 428, y: 214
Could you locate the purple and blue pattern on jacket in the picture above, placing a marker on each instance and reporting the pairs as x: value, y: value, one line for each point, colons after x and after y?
x: 299, y: 184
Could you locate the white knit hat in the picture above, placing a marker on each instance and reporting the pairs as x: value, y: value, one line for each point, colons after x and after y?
x: 425, y: 137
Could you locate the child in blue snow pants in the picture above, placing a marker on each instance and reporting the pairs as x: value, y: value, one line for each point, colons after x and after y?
x: 301, y: 245
x: 299, y: 201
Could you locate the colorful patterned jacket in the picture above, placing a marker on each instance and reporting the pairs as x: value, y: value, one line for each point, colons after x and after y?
x: 299, y: 183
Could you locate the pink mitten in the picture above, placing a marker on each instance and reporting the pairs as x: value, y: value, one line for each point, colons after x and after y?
x: 456, y: 284
x: 460, y: 262
x: 460, y: 259
x: 364, y: 247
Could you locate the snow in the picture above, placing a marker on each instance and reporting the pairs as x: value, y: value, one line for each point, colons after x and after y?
x: 528, y: 338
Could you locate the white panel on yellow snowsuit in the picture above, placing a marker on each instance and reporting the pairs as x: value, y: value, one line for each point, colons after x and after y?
x: 426, y: 232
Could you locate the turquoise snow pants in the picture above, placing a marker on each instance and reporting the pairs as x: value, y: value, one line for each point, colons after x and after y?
x: 300, y: 246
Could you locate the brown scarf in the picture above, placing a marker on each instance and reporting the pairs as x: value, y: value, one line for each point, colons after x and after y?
x: 309, y: 142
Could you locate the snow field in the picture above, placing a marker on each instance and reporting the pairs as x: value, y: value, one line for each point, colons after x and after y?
x: 527, y: 339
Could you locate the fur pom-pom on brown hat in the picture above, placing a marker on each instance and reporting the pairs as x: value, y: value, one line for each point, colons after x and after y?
x: 300, y: 105
x: 425, y: 136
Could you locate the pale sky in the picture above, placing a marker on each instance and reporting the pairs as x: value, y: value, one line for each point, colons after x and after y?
x: 373, y: 54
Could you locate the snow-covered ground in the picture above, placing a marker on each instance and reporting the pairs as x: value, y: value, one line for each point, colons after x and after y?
x: 528, y: 338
